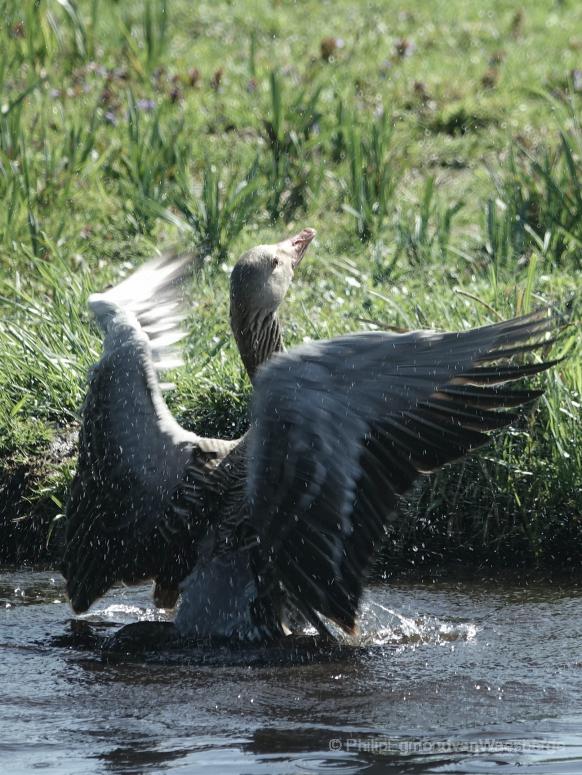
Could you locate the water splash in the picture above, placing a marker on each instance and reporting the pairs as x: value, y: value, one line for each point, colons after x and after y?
x: 122, y: 613
x: 380, y: 625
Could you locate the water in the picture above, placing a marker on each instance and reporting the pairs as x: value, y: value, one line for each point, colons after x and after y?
x: 445, y: 679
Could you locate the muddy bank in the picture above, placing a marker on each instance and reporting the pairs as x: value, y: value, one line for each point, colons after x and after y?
x: 464, y: 536
x: 31, y: 530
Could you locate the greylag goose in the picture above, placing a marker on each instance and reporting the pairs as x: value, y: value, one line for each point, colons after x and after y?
x: 285, y: 521
x: 145, y: 488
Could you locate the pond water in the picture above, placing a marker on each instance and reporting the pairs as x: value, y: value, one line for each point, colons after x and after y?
x: 461, y: 678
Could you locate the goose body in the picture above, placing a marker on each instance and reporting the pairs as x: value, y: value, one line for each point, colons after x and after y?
x: 146, y: 492
x: 286, y: 520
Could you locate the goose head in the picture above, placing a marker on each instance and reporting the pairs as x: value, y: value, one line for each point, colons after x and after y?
x: 259, y: 283
x: 262, y: 276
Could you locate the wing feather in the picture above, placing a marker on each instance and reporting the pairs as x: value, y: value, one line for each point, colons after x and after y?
x: 342, y: 427
x: 135, y: 460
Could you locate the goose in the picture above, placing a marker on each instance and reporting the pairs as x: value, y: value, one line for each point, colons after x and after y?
x: 277, y: 529
x: 144, y: 487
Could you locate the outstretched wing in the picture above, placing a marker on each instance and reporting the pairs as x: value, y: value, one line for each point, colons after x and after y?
x: 341, y: 427
x: 133, y: 456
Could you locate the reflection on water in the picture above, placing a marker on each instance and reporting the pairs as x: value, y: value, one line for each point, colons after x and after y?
x: 443, y: 678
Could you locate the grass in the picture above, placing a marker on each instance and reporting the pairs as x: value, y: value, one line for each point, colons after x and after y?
x: 437, y: 149
x: 371, y: 184
x: 219, y: 210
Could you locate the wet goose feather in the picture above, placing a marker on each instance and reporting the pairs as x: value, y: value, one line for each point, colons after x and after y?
x: 289, y: 517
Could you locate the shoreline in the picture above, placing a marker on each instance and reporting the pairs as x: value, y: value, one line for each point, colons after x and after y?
x: 442, y: 546
x: 443, y: 575
x: 29, y: 507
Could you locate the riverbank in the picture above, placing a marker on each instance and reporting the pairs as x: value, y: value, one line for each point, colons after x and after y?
x: 32, y: 493
x: 437, y: 151
x: 434, y: 536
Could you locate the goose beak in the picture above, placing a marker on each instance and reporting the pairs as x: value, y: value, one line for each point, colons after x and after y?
x: 297, y: 246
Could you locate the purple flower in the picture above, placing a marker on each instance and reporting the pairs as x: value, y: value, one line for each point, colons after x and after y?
x: 146, y: 105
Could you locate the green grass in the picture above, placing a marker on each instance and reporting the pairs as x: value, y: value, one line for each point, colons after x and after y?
x: 437, y: 150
